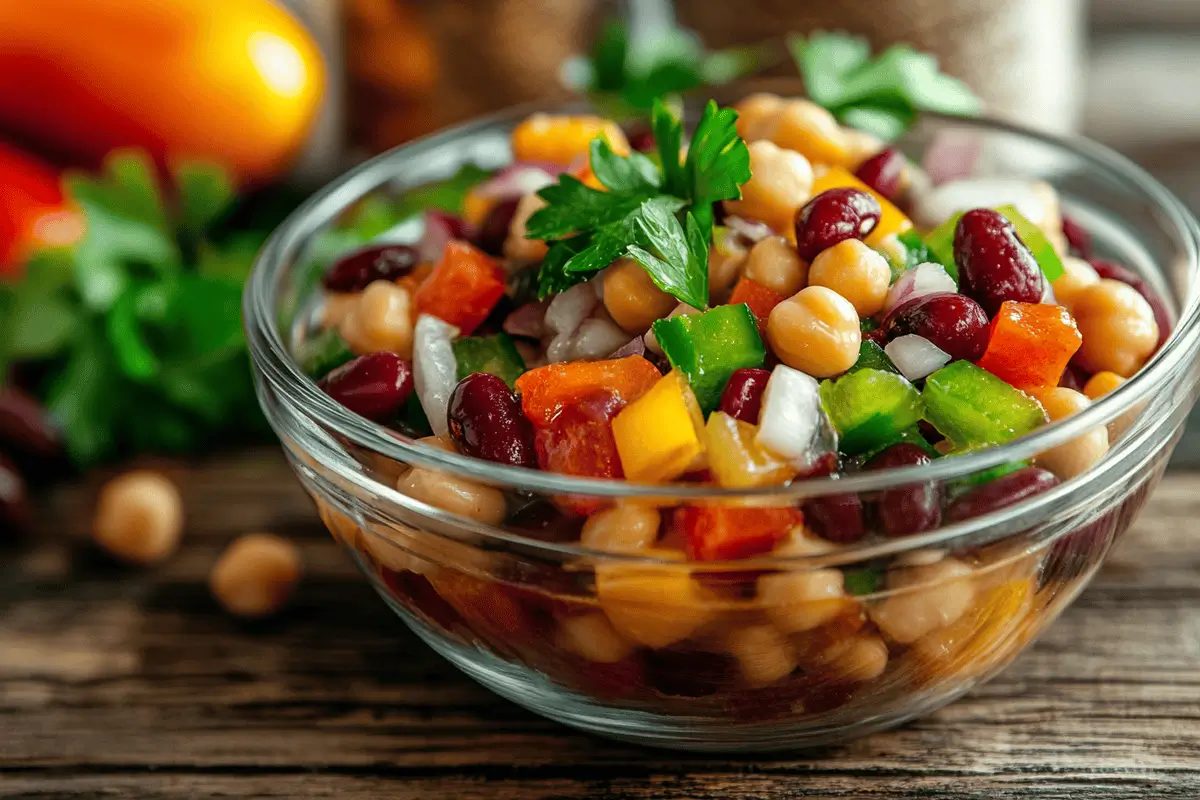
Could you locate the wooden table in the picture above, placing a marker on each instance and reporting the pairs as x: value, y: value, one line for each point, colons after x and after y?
x: 117, y: 683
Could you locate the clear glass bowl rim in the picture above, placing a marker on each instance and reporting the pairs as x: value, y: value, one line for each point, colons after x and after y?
x: 272, y: 358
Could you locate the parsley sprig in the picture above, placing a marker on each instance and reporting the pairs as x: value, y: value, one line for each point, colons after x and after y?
x: 661, y: 217
x: 135, y: 331
x: 882, y: 95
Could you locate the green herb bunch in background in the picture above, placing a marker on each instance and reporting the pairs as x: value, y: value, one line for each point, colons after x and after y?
x: 133, y: 336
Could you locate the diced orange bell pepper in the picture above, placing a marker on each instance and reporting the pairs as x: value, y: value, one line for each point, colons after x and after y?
x: 463, y: 288
x: 736, y: 460
x: 660, y: 436
x: 477, y: 205
x: 545, y: 391
x: 1030, y: 345
x: 761, y: 300
x: 561, y: 139
x: 892, y: 220
x: 715, y: 533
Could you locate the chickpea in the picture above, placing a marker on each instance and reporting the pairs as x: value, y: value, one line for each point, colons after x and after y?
x: 725, y: 263
x: 1077, y: 276
x: 632, y: 299
x: 560, y: 139
x: 1101, y: 384
x: 858, y: 658
x: 815, y: 331
x: 764, y: 655
x: 802, y: 600
x: 382, y: 321
x: 775, y: 264
x: 856, y: 272
x: 336, y: 307
x: 624, y: 528
x: 1078, y: 455
x: 139, y: 517
x: 757, y: 115
x: 651, y: 604
x: 1118, y: 327
x: 516, y: 246
x: 928, y: 597
x: 340, y: 526
x: 811, y: 131
x: 455, y: 495
x: 255, y: 575
x: 592, y: 636
x: 780, y: 183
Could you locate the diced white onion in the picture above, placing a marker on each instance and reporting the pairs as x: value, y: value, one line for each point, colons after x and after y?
x: 596, y: 338
x: 439, y: 229
x: 915, y: 356
x: 921, y: 280
x: 950, y: 198
x: 435, y: 370
x: 520, y: 179
x: 790, y: 418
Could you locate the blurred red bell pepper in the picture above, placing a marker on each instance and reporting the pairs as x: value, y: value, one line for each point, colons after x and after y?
x: 33, y: 211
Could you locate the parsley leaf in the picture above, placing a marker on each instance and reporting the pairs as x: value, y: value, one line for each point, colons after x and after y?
x: 881, y: 95
x: 659, y: 216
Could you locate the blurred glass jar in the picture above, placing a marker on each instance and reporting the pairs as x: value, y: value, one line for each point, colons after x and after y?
x: 408, y: 67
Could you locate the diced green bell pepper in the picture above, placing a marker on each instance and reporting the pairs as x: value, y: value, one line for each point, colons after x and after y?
x: 967, y: 482
x: 708, y: 348
x: 917, y: 251
x: 872, y: 356
x: 493, y: 354
x: 972, y: 407
x: 1047, y: 257
x: 323, y: 353
x: 867, y: 580
x: 940, y: 243
x: 870, y: 408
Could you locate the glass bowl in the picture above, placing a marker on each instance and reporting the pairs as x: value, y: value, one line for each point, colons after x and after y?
x: 818, y: 645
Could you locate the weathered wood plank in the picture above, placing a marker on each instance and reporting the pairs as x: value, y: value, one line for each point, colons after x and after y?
x: 122, y: 684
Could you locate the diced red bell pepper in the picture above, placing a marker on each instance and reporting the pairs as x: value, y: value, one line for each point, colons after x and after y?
x: 714, y: 533
x: 1030, y: 345
x: 33, y: 212
x: 761, y: 300
x: 579, y: 441
x: 547, y: 390
x: 463, y: 288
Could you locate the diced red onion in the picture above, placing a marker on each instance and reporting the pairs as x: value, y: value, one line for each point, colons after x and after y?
x: 519, y: 179
x: 748, y: 231
x: 951, y: 156
x: 651, y: 340
x: 435, y: 370
x: 636, y: 347
x: 921, y: 280
x: 563, y: 317
x: 439, y: 228
x: 790, y: 419
x: 528, y: 320
x: 915, y: 356
x: 949, y: 199
x: 596, y: 338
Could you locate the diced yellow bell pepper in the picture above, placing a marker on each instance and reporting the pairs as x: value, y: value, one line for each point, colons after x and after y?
x: 892, y: 220
x: 736, y: 460
x: 811, y: 131
x: 660, y: 435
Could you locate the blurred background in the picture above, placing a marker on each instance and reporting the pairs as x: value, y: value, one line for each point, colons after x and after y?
x: 148, y: 147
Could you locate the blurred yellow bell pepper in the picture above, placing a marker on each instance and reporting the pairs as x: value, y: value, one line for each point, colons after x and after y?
x: 660, y: 435
x: 238, y: 82
x: 892, y: 220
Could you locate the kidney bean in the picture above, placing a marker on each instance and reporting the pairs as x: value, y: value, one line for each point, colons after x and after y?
x: 1074, y: 377
x: 1007, y: 490
x: 496, y: 224
x: 994, y: 265
x: 1107, y: 269
x: 15, y: 511
x: 24, y: 426
x: 882, y: 172
x: 742, y: 397
x: 486, y: 422
x: 641, y: 138
x: 834, y: 216
x: 836, y: 517
x: 953, y: 322
x: 908, y: 509
x: 1078, y: 238
x: 355, y: 271
x: 375, y: 386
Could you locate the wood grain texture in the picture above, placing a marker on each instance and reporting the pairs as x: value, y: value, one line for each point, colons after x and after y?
x: 123, y: 684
